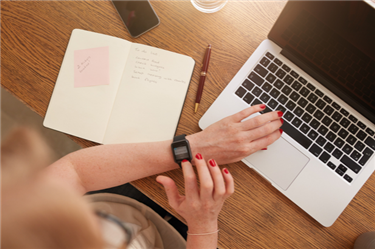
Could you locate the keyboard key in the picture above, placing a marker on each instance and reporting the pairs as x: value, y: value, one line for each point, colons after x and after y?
x: 319, y: 93
x: 296, y: 86
x: 311, y: 87
x: 261, y: 70
x: 347, y: 149
x: 336, y: 106
x: 359, y: 146
x: 266, y: 87
x: 355, y: 155
x: 310, y: 108
x: 312, y: 97
x: 288, y: 116
x: 366, y: 156
x: 331, y: 165
x: 294, y: 74
x: 294, y: 96
x: 314, y: 123
x: 343, y: 133
x: 304, y: 128
x: 286, y: 90
x: 264, y: 97
x: 370, y: 132
x: 320, y: 104
x: 325, y: 157
x: 302, y: 102
x: 280, y: 73
x: 269, y: 55
x: 353, y: 119
x: 274, y: 93
x: 279, y: 84
x: 312, y: 134
x: 256, y: 102
x: 327, y: 99
x: 302, y: 80
x: 248, y: 85
x: 278, y: 62
x: 323, y: 130
x: 341, y: 169
x: 337, y: 153
x: 329, y: 147
x: 240, y: 92
x: 304, y: 91
x: 351, y: 139
x: 344, y: 112
x: 297, y: 122
x: 331, y: 136
x: 370, y: 142
x: 256, y: 91
x: 256, y: 78
x: 298, y: 111
x: 296, y: 135
x: 282, y: 99
x: 271, y: 78
x: 281, y: 108
x: 289, y: 80
x: 337, y: 116
x: 248, y: 98
x: 272, y: 67
x: 290, y: 105
x: 318, y: 115
x: 328, y: 110
x: 361, y: 135
x: 286, y: 68
x: 306, y: 117
x: 339, y: 142
x: 345, y: 122
x: 266, y: 110
x: 264, y: 61
x: 315, y: 150
x: 350, y: 164
x: 334, y: 127
x: 361, y: 125
x: 348, y: 178
x: 321, y: 141
x: 272, y: 104
x: 327, y: 121
x: 353, y: 128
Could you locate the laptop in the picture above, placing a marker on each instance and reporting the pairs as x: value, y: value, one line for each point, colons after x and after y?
x: 317, y: 67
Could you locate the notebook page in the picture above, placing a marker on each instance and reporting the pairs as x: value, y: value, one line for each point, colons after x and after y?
x: 151, y: 95
x: 87, y: 83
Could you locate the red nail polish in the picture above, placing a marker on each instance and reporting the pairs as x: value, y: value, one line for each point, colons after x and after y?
x: 226, y: 171
x: 198, y: 156
x: 281, y: 131
x: 282, y: 121
x: 280, y: 113
x: 212, y: 163
x: 185, y: 160
x: 264, y: 149
x: 262, y: 106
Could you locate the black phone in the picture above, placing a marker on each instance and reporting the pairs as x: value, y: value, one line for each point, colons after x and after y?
x: 137, y: 15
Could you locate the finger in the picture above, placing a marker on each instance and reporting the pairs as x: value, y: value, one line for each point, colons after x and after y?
x: 218, y: 180
x: 264, y: 130
x: 266, y: 140
x: 261, y: 120
x: 239, y: 116
x: 174, y: 197
x: 191, y: 186
x: 205, y: 179
x: 229, y: 182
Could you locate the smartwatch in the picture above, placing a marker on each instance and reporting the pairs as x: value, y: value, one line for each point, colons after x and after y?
x: 181, y: 149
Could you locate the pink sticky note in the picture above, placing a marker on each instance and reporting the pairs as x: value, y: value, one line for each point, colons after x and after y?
x: 91, y: 67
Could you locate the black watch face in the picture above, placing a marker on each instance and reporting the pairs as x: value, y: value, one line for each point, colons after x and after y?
x: 180, y: 151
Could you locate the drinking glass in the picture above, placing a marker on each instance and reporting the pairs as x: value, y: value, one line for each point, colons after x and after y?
x: 209, y: 6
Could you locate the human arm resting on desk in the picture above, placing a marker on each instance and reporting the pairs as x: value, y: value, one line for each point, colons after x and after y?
x: 227, y: 141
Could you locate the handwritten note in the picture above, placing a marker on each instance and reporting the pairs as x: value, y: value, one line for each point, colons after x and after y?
x: 150, y: 67
x: 91, y: 67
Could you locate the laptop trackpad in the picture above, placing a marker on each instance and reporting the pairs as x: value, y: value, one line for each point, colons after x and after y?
x: 281, y: 162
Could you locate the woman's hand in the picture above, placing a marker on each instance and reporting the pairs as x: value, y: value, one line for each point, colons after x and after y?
x: 230, y: 140
x: 200, y: 206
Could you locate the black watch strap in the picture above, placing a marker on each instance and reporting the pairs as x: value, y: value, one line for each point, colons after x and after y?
x: 176, y: 139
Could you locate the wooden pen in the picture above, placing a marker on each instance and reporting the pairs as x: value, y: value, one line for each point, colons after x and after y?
x: 202, y: 78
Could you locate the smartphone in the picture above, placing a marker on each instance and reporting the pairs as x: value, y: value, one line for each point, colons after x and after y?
x: 137, y: 15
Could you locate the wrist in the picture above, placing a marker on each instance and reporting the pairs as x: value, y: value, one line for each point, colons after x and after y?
x: 202, y: 227
x: 196, y: 145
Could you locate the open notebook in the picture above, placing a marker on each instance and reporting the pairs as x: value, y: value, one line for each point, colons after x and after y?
x: 110, y: 90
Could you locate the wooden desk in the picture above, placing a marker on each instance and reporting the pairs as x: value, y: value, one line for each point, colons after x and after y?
x: 34, y: 37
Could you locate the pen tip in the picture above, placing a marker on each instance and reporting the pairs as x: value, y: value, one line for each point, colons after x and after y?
x: 209, y: 45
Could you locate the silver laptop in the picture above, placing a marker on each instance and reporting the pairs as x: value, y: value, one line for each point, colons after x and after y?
x: 318, y: 67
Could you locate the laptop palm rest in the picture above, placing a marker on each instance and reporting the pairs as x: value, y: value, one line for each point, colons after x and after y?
x: 281, y: 162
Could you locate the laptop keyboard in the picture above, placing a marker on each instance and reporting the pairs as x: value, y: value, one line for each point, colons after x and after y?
x: 311, y: 118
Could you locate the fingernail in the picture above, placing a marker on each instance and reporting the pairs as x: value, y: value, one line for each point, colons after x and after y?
x: 280, y: 113
x: 212, y: 162
x: 262, y: 106
x: 198, y: 156
x: 264, y: 149
x: 282, y: 121
x: 226, y: 171
x: 185, y: 160
x: 281, y: 131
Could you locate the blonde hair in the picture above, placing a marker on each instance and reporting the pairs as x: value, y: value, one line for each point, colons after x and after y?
x: 38, y: 213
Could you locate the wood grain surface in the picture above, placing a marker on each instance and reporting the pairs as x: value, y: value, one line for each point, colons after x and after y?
x: 34, y: 37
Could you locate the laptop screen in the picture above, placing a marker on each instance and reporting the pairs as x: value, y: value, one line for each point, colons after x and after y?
x: 334, y: 42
